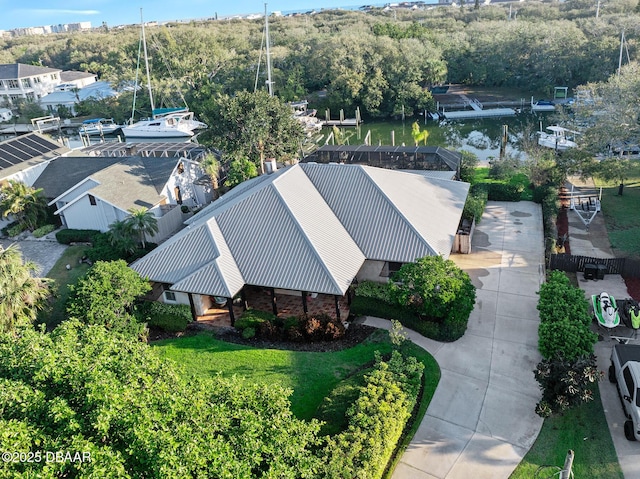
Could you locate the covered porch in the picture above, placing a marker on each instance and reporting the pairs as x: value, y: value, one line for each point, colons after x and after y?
x: 282, y: 303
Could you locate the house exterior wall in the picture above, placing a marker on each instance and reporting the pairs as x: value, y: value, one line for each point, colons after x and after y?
x: 85, y: 216
x: 192, y: 194
x: 200, y: 302
x: 371, y: 271
x: 171, y: 221
x: 30, y: 88
x: 75, y: 192
x: 28, y: 176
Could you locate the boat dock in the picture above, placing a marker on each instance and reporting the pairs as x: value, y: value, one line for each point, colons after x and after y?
x: 342, y: 121
x: 477, y: 111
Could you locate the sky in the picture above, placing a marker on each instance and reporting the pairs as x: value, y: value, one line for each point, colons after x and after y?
x: 34, y: 13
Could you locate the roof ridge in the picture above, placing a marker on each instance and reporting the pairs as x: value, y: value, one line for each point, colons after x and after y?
x: 302, y: 231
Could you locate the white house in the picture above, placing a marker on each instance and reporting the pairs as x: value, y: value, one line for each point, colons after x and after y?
x: 19, y: 81
x: 114, y: 185
x: 69, y: 95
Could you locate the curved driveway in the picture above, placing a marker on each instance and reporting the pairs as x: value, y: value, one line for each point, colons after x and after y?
x: 481, y: 420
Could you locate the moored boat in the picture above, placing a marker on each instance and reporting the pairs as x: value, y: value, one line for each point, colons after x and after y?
x: 99, y: 126
x: 557, y: 139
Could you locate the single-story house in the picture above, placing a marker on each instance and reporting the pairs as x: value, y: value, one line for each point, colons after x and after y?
x: 93, y: 192
x: 305, y: 231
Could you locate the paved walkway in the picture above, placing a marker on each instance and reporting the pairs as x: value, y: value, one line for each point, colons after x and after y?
x: 43, y: 252
x: 481, y: 420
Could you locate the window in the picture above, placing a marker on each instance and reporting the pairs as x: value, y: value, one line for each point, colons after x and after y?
x: 37, y: 80
x: 168, y: 295
x: 92, y: 200
x: 390, y: 268
x: 13, y: 84
x: 25, y: 83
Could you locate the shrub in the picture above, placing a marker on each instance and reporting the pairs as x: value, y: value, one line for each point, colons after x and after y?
x: 248, y: 333
x: 68, y: 236
x: 565, y: 383
x: 564, y: 320
x: 321, y: 327
x: 371, y: 289
x: 438, y: 291
x: 15, y: 230
x: 252, y: 318
x: 43, y: 230
x: 476, y: 202
x: 168, y: 317
x: 375, y: 421
x: 504, y: 192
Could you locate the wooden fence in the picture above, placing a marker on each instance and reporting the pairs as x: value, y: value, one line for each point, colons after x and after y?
x: 575, y: 263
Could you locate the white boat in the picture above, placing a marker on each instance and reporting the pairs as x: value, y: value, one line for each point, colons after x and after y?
x: 557, y: 139
x: 542, y: 105
x: 164, y: 123
x: 99, y: 126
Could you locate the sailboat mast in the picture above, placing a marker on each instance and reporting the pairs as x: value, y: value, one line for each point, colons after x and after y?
x: 146, y: 63
x: 266, y: 30
x: 621, y: 47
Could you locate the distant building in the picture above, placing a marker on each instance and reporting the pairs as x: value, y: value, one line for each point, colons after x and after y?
x: 69, y: 95
x: 26, y: 82
x: 46, y: 29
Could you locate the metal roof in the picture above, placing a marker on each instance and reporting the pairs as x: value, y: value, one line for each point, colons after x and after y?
x: 392, y: 215
x: 308, y: 228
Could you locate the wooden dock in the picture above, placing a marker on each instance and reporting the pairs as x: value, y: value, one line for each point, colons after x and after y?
x: 488, y: 113
x: 342, y: 121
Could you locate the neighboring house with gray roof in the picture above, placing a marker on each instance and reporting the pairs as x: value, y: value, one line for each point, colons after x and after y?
x: 25, y: 157
x: 26, y: 82
x: 308, y: 228
x: 108, y: 187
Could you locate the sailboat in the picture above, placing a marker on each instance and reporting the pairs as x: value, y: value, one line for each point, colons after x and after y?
x: 165, y: 122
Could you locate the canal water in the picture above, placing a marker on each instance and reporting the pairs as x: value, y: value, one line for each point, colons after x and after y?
x: 482, y: 137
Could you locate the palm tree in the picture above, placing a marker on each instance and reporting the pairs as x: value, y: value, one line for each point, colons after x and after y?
x: 418, y: 135
x: 211, y: 166
x: 24, y: 202
x: 21, y: 294
x: 122, y: 236
x: 142, y: 222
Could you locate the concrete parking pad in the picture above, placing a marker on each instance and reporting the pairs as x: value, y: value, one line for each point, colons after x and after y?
x: 481, y: 420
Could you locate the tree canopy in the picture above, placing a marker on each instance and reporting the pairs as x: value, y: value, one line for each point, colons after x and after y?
x: 82, y: 388
x: 22, y: 294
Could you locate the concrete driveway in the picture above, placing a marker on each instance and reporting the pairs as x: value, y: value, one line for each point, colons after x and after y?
x: 481, y: 420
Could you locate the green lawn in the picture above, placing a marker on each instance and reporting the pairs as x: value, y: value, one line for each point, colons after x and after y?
x: 63, y: 278
x: 482, y: 176
x: 585, y: 431
x: 621, y: 214
x: 310, y: 375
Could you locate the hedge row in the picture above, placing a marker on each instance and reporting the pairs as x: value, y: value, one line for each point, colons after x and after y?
x: 168, y: 317
x: 68, y: 236
x: 564, y: 320
x: 375, y: 421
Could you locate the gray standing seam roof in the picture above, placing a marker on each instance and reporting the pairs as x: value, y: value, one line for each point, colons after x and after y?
x: 308, y: 228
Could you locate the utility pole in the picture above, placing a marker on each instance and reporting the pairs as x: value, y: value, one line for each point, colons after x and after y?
x: 266, y: 32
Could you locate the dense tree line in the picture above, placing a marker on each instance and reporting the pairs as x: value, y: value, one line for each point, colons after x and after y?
x: 377, y: 61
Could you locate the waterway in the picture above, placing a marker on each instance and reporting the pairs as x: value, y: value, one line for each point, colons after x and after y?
x: 482, y: 137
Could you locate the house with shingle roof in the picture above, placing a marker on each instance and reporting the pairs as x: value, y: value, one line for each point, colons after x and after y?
x: 94, y: 192
x: 306, y: 229
x: 28, y: 82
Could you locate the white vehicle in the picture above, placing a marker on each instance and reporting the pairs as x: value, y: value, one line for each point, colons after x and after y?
x: 625, y: 373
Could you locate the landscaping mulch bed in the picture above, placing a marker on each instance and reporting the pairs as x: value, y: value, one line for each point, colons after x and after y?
x: 633, y: 287
x: 355, y: 334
